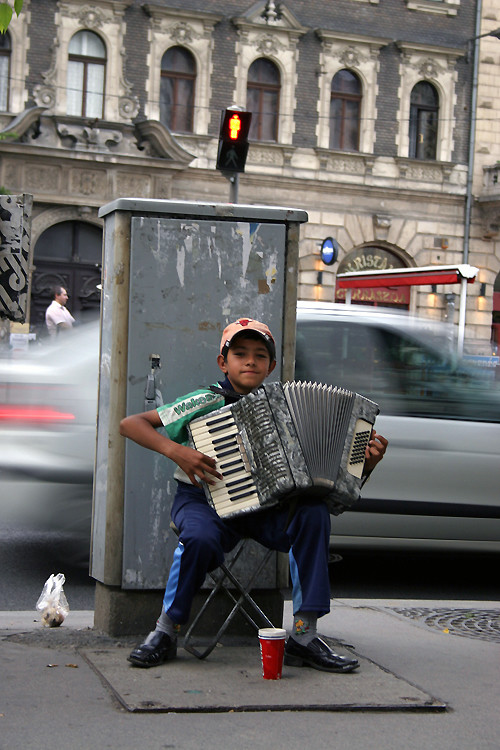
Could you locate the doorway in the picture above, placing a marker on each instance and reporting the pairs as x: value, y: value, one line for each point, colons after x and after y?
x: 68, y: 254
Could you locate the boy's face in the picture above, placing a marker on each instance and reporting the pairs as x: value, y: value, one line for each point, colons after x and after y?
x: 247, y: 365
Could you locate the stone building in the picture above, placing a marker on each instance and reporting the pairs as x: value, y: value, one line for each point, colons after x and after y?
x: 485, y: 176
x: 361, y: 116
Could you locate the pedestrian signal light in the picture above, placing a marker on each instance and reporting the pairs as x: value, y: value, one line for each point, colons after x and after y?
x: 233, y: 140
x: 234, y: 127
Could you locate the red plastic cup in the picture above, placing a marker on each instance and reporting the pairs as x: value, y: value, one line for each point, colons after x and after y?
x: 272, y: 648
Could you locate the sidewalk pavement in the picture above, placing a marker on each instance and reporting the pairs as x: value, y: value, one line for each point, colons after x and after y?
x: 429, y: 678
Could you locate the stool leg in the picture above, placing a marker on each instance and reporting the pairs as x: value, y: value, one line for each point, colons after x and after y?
x: 244, y: 598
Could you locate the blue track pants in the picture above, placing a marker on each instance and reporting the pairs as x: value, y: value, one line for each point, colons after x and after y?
x: 204, y: 538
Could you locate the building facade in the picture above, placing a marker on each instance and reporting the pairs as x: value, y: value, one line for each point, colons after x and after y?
x: 485, y: 175
x: 362, y: 115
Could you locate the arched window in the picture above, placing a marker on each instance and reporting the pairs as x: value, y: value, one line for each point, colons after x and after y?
x: 86, y: 75
x: 424, y: 109
x: 345, y: 111
x: 263, y: 96
x: 178, y: 78
x: 5, y: 51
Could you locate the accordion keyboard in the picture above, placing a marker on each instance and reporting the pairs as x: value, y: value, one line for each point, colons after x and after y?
x: 218, y: 437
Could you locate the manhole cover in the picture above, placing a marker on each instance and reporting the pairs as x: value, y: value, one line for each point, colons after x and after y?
x: 483, y: 624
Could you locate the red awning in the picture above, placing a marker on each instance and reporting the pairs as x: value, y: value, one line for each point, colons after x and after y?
x: 407, y: 276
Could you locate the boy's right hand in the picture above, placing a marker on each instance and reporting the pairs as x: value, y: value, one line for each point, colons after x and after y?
x: 195, y: 464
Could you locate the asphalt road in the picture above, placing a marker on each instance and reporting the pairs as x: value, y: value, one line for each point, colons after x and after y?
x: 28, y: 557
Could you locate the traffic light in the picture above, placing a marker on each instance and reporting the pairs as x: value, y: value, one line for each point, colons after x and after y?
x: 233, y: 140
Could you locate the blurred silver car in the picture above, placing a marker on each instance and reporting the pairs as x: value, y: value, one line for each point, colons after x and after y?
x: 437, y: 486
x: 48, y: 400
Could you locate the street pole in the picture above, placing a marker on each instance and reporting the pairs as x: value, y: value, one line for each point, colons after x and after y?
x: 234, y: 184
x: 470, y: 176
x: 461, y: 318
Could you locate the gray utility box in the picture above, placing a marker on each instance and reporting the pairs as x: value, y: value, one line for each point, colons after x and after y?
x: 175, y: 274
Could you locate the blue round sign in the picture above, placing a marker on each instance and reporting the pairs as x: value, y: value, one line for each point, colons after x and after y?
x: 329, y: 251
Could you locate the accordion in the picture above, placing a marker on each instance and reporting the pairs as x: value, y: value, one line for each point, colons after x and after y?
x: 283, y: 441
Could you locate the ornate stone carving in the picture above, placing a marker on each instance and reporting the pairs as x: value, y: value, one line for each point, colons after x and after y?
x: 88, y: 137
x: 269, y: 14
x: 90, y: 17
x: 45, y: 179
x: 428, y: 68
x: 182, y: 32
x: 270, y: 156
x: 267, y: 44
x: 349, y: 166
x: 128, y: 107
x: 382, y: 221
x: 133, y: 184
x: 350, y: 57
x: 163, y: 187
x: 88, y: 182
x: 45, y: 95
x: 423, y: 173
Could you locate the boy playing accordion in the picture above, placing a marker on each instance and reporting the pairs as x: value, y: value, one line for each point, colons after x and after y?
x: 247, y: 356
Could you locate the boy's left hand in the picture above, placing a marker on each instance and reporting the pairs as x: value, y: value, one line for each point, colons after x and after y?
x: 375, y: 451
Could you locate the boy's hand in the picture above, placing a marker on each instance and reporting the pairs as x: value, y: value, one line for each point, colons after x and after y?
x: 196, y: 465
x: 374, y: 451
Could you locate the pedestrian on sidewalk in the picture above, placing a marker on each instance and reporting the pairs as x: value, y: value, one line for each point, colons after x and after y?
x: 247, y: 356
x: 57, y: 316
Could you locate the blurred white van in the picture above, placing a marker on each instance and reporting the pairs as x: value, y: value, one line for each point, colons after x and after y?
x: 438, y: 485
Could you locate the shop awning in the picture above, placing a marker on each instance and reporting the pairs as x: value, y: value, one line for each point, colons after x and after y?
x: 407, y: 276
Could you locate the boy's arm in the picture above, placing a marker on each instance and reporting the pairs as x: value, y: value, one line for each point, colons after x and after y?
x: 142, y: 429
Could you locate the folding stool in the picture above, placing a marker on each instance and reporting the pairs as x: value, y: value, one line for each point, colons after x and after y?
x: 220, y: 576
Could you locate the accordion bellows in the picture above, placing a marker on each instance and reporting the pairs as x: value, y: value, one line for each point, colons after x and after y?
x: 285, y: 441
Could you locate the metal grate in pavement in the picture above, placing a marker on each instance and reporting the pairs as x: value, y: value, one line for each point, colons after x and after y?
x: 482, y: 624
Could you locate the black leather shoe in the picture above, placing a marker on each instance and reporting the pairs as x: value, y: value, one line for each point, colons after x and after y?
x: 157, y: 648
x: 318, y: 655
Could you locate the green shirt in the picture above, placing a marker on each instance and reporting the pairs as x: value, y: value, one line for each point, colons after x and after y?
x: 176, y: 416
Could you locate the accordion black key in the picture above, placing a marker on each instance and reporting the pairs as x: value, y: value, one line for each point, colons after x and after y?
x: 284, y: 441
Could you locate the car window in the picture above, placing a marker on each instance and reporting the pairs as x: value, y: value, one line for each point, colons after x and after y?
x: 401, y: 373
x: 343, y: 354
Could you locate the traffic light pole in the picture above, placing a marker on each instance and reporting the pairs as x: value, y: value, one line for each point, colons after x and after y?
x: 234, y: 184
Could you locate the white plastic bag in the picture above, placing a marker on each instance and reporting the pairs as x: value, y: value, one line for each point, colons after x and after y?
x: 52, y: 602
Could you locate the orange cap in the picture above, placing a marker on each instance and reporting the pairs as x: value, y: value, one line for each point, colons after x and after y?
x: 247, y: 324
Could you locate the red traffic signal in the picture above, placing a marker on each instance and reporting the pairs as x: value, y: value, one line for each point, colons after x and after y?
x: 233, y: 140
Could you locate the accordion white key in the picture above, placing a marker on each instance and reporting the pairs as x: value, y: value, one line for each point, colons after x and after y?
x: 284, y: 441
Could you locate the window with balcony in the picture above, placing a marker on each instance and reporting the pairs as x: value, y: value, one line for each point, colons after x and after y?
x: 345, y: 111
x: 424, y: 114
x: 263, y: 96
x: 177, y: 89
x: 86, y: 75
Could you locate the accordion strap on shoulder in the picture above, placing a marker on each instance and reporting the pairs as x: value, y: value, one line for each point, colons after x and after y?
x: 226, y: 392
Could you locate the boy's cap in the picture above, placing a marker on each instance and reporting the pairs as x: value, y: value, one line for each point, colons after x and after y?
x: 247, y: 324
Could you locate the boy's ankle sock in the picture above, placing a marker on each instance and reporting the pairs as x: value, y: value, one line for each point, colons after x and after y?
x: 304, y: 627
x: 165, y: 625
